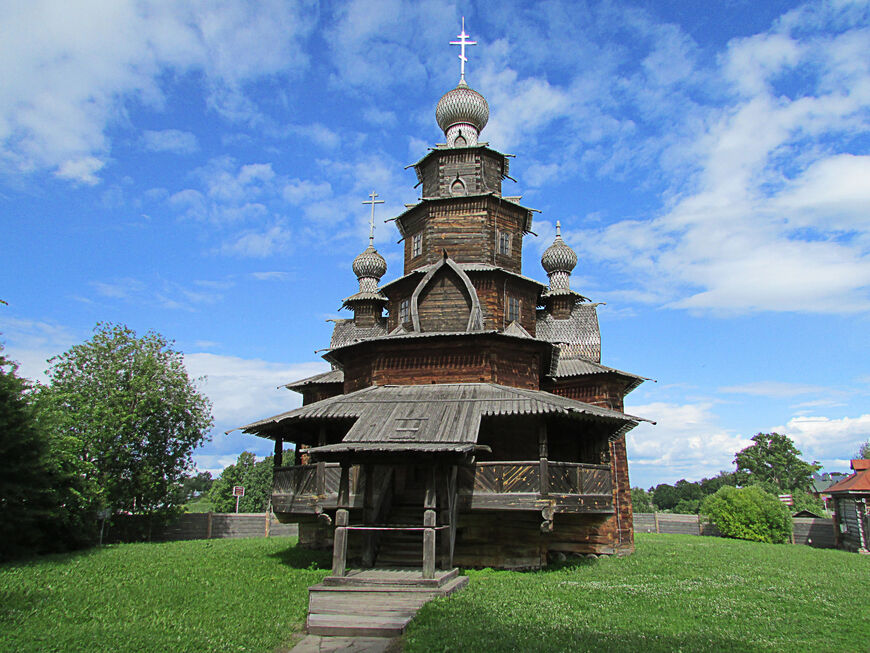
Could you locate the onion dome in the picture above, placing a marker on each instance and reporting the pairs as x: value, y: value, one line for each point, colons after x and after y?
x: 462, y: 113
x: 558, y: 261
x: 369, y: 267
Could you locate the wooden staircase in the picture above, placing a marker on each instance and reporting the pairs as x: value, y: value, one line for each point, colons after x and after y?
x: 374, y: 602
x: 403, y: 549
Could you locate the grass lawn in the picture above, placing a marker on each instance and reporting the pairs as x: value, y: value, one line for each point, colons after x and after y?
x: 215, y: 595
x: 676, y: 593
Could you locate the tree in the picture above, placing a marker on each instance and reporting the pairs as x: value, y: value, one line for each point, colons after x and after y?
x: 774, y: 463
x: 131, y: 414
x: 255, y: 477
x: 864, y: 450
x: 665, y: 496
x: 641, y: 501
x: 748, y: 513
x: 43, y: 494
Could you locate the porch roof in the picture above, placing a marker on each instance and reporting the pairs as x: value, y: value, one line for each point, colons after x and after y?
x: 434, y: 414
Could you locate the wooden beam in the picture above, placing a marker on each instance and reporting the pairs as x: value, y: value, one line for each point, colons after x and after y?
x: 278, y: 460
x: 542, y: 453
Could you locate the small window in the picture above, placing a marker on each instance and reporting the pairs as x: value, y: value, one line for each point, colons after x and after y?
x: 504, y: 243
x: 457, y: 187
x: 405, y: 311
x: 513, y: 309
x: 417, y: 245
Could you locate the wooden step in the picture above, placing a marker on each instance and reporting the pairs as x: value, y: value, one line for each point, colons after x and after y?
x: 363, y: 610
x: 398, y: 576
x: 335, y: 625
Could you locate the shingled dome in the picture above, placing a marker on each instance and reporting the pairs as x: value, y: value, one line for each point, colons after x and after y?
x: 559, y: 257
x: 462, y: 106
x: 369, y: 264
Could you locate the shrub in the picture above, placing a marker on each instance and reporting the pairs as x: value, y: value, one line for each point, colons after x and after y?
x: 748, y: 514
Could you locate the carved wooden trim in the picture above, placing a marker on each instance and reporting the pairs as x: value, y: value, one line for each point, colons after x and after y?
x: 475, y: 317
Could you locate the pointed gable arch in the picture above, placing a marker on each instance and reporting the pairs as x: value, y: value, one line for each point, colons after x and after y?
x: 448, y: 266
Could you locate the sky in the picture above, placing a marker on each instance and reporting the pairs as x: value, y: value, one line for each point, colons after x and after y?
x: 198, y: 169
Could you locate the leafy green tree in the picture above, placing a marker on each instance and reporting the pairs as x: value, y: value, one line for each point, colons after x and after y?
x: 44, y: 498
x: 665, y: 496
x: 748, y: 513
x: 864, y: 450
x: 129, y: 413
x: 774, y: 463
x: 687, y: 507
x: 641, y: 500
x: 255, y: 477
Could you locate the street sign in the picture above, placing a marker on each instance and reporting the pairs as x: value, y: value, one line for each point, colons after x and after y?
x: 238, y: 493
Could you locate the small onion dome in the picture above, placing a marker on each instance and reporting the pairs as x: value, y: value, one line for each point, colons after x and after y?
x: 462, y: 106
x: 369, y: 267
x: 559, y: 257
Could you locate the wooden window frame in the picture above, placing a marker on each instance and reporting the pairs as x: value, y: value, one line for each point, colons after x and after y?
x: 416, y: 245
x: 404, y: 311
x: 504, y: 243
x: 513, y: 309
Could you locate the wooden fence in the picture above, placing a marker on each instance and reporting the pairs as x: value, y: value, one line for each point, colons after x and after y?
x: 206, y: 525
x: 818, y: 533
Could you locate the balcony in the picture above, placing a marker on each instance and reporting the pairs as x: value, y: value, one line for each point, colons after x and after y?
x: 537, y: 485
x: 558, y: 487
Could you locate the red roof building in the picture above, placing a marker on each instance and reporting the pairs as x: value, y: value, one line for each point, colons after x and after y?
x: 850, y: 497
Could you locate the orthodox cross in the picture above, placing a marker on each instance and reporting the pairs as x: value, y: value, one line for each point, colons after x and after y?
x: 462, y: 42
x: 372, y: 201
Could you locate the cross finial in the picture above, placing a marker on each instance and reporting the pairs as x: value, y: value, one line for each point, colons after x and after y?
x: 462, y: 42
x: 372, y: 201
x: 558, y: 229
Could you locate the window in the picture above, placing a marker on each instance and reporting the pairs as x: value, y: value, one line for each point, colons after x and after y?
x: 417, y: 245
x: 513, y: 309
x: 457, y: 187
x: 504, y: 243
x: 405, y: 311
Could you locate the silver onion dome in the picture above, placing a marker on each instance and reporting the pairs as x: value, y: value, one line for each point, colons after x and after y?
x: 559, y: 257
x: 462, y: 106
x: 369, y: 266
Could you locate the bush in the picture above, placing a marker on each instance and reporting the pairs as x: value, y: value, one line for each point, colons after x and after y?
x: 748, y: 514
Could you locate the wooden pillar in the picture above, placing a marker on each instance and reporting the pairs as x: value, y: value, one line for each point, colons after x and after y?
x: 429, y: 504
x: 339, y: 547
x: 320, y: 479
x: 368, y: 514
x: 543, y: 455
x: 278, y: 460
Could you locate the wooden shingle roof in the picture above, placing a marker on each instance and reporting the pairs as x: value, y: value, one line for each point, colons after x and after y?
x: 436, y: 414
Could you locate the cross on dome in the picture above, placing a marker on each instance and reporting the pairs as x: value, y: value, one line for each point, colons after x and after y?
x: 462, y: 42
x: 372, y: 201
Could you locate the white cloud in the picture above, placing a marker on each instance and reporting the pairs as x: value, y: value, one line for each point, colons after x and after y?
x: 824, y: 438
x: 774, y: 389
x: 300, y: 191
x: 774, y: 217
x: 30, y: 343
x: 687, y: 441
x: 245, y: 390
x: 68, y: 68
x: 170, y: 140
x: 259, y: 243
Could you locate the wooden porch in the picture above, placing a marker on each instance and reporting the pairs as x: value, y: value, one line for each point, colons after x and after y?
x: 493, y: 485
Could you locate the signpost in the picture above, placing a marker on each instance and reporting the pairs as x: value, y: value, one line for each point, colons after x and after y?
x: 238, y: 493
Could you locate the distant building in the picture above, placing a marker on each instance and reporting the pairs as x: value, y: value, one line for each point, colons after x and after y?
x: 850, y: 497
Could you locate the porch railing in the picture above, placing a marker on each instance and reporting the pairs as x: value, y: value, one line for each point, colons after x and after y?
x: 500, y: 477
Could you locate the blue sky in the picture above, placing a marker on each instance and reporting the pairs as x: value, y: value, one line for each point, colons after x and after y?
x: 198, y: 169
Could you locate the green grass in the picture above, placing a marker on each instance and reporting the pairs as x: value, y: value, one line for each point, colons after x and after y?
x: 216, y: 595
x: 676, y: 593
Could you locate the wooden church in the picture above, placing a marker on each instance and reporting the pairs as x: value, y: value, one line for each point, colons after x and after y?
x: 473, y: 424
